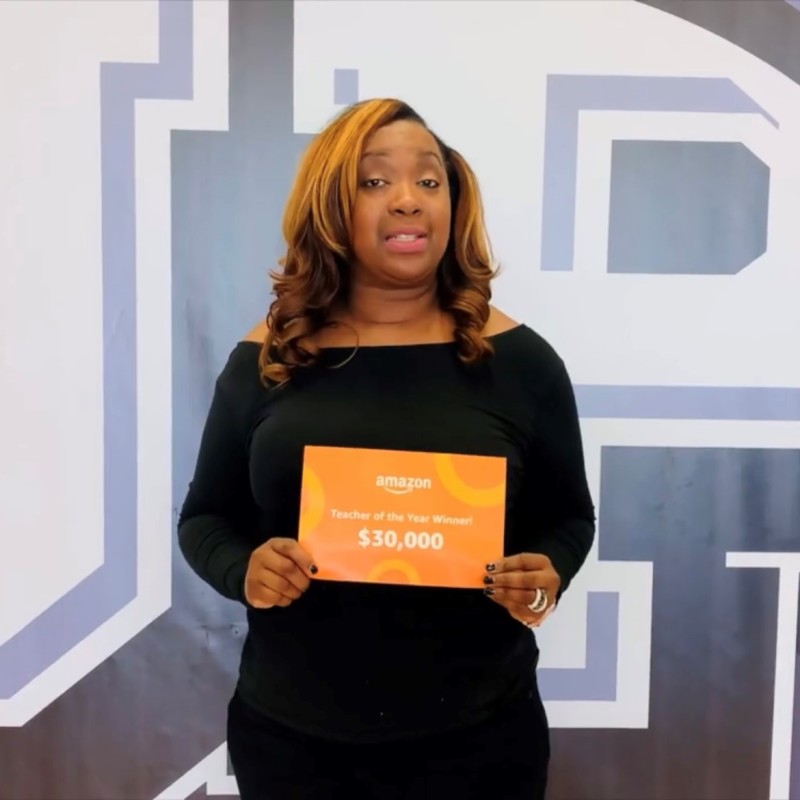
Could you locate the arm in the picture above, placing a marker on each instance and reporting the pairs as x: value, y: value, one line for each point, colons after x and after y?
x: 558, y: 503
x: 218, y: 512
x: 554, y: 516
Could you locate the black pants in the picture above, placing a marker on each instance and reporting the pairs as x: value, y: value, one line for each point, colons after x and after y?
x: 505, y: 758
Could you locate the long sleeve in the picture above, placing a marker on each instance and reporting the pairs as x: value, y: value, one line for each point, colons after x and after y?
x: 557, y: 505
x: 217, y: 519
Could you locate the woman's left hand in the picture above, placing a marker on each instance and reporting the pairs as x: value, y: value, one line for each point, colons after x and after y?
x: 517, y: 582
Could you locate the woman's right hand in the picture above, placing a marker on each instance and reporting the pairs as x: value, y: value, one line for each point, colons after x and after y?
x: 279, y: 573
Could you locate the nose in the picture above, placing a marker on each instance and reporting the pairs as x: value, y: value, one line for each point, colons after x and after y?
x: 405, y: 202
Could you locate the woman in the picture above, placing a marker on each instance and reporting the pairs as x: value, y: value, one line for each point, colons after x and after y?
x: 381, y: 335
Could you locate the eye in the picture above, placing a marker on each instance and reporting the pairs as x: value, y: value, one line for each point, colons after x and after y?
x: 430, y: 183
x: 372, y: 183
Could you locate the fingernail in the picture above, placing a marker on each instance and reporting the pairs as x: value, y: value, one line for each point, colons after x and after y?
x: 490, y: 567
x: 313, y: 570
x: 488, y: 579
x: 488, y: 592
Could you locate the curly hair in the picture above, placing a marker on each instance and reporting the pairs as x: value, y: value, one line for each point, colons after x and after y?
x: 317, y: 226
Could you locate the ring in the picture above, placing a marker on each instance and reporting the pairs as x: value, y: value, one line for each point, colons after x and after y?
x: 540, y: 602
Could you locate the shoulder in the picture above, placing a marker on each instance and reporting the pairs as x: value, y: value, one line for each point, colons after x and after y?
x: 498, y: 322
x: 516, y: 339
x: 256, y: 334
x: 240, y: 375
x: 524, y: 354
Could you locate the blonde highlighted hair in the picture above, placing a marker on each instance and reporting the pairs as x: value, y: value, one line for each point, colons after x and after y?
x: 317, y: 224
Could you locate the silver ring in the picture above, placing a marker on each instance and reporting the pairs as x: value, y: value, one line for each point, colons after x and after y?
x: 540, y: 602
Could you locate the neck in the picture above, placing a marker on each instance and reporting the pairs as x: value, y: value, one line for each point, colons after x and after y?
x: 378, y: 313
x: 374, y: 306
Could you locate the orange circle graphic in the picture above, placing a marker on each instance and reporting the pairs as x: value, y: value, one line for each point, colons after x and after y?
x: 314, y: 501
x: 472, y: 496
x: 380, y: 569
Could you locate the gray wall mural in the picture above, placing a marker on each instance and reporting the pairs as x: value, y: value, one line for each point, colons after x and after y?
x: 149, y: 721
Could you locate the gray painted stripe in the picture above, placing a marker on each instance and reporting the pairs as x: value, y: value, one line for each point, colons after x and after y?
x: 345, y: 86
x: 113, y: 585
x: 598, y: 679
x: 567, y: 95
x: 794, y: 779
x: 688, y: 402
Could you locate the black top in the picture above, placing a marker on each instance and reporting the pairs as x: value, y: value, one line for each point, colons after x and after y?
x: 363, y: 662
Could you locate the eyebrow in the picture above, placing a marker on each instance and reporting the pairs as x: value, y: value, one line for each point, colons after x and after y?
x: 385, y: 154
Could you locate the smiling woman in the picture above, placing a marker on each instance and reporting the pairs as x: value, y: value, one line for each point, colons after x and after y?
x: 381, y: 337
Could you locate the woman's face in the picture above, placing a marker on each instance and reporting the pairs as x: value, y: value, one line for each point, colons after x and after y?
x: 401, y: 218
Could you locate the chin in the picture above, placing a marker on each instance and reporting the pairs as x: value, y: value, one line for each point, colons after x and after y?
x: 408, y: 273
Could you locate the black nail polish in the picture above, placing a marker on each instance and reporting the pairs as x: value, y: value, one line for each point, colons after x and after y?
x: 490, y: 567
x: 488, y: 592
x: 313, y: 570
x: 488, y: 579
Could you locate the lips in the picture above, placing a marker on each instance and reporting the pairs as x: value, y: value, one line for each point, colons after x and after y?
x: 406, y: 234
x: 407, y: 241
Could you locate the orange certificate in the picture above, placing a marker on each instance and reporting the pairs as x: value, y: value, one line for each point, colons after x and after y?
x: 400, y: 517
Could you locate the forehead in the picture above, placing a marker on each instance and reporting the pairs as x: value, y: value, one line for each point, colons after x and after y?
x: 397, y: 138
